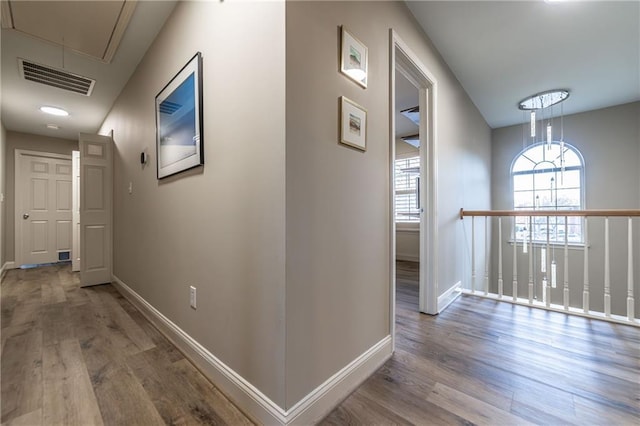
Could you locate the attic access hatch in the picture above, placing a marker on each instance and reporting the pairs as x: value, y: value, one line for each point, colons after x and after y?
x: 93, y: 28
x: 61, y: 79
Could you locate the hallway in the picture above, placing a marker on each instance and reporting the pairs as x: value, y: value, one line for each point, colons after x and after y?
x: 86, y: 356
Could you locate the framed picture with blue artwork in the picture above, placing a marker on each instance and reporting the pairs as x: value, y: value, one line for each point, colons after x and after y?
x: 179, y: 121
x: 354, y: 58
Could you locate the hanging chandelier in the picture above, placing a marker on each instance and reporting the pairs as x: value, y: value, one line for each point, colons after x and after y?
x: 541, y: 101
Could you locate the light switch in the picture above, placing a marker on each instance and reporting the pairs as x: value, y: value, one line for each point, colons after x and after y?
x: 130, y: 187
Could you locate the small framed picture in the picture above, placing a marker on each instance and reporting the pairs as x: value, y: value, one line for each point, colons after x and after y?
x: 179, y: 121
x: 353, y: 124
x: 354, y: 58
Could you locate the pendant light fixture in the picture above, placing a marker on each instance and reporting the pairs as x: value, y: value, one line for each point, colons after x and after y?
x: 540, y: 102
x: 534, y: 104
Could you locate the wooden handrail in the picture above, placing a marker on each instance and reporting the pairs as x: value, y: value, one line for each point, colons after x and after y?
x: 552, y: 213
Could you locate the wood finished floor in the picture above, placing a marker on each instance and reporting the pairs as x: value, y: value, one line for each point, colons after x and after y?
x: 76, y: 356
x: 73, y: 356
x: 485, y: 362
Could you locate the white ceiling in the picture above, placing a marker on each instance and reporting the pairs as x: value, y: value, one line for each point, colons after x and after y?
x: 504, y: 51
x: 21, y: 99
x: 87, y: 27
x: 500, y: 51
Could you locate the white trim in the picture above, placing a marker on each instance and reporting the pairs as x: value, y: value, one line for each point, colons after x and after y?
x: 447, y: 298
x: 5, y: 268
x: 419, y: 75
x: 247, y: 397
x: 392, y: 192
x: 122, y: 23
x: 618, y: 319
x: 408, y: 230
x: 318, y: 403
x: 17, y: 199
x: 558, y: 244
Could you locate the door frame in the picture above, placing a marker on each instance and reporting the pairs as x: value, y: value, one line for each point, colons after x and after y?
x: 17, y: 181
x: 406, y: 61
x: 75, y: 215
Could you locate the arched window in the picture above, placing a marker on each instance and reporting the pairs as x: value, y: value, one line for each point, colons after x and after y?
x: 549, y: 177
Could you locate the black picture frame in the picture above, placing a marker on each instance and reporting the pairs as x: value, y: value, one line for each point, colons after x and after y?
x: 179, y: 126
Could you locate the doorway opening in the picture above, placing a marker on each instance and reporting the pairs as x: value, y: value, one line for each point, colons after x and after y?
x: 412, y: 75
x: 406, y: 180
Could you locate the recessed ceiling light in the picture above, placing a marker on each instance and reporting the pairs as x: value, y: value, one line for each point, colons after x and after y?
x: 53, y: 126
x: 54, y: 111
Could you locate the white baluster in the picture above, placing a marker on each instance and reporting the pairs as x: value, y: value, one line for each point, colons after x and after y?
x: 630, y: 301
x: 530, y: 264
x: 547, y: 269
x: 486, y: 255
x: 566, y: 264
x: 607, y: 270
x: 473, y: 254
x: 500, y: 283
x: 585, y: 291
x: 514, y: 285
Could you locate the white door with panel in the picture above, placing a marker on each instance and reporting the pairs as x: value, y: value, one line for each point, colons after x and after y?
x: 96, y: 191
x: 43, y: 207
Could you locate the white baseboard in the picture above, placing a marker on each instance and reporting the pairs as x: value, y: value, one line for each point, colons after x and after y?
x: 247, y: 397
x: 318, y: 403
x: 6, y: 267
x: 407, y: 257
x: 446, y: 298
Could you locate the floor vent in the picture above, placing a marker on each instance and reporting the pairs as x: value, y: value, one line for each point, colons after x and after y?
x: 56, y: 78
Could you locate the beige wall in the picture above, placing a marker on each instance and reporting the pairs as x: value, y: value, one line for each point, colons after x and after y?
x: 223, y: 227
x: 609, y: 140
x: 219, y: 228
x: 338, y: 254
x: 26, y: 141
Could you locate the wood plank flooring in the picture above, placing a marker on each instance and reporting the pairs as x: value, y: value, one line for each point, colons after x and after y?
x: 73, y: 356
x: 86, y: 356
x: 490, y: 363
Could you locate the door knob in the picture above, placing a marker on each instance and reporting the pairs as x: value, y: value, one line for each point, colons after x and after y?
x: 25, y: 216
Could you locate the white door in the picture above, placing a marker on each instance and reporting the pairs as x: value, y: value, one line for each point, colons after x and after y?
x: 75, y: 242
x: 96, y: 188
x: 43, y: 207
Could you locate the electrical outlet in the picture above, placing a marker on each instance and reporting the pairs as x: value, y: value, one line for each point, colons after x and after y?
x: 192, y: 297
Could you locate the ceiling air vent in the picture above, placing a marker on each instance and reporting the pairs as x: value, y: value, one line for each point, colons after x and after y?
x: 56, y: 78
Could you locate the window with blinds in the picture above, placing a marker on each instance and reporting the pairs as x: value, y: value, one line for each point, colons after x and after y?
x: 407, y: 175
